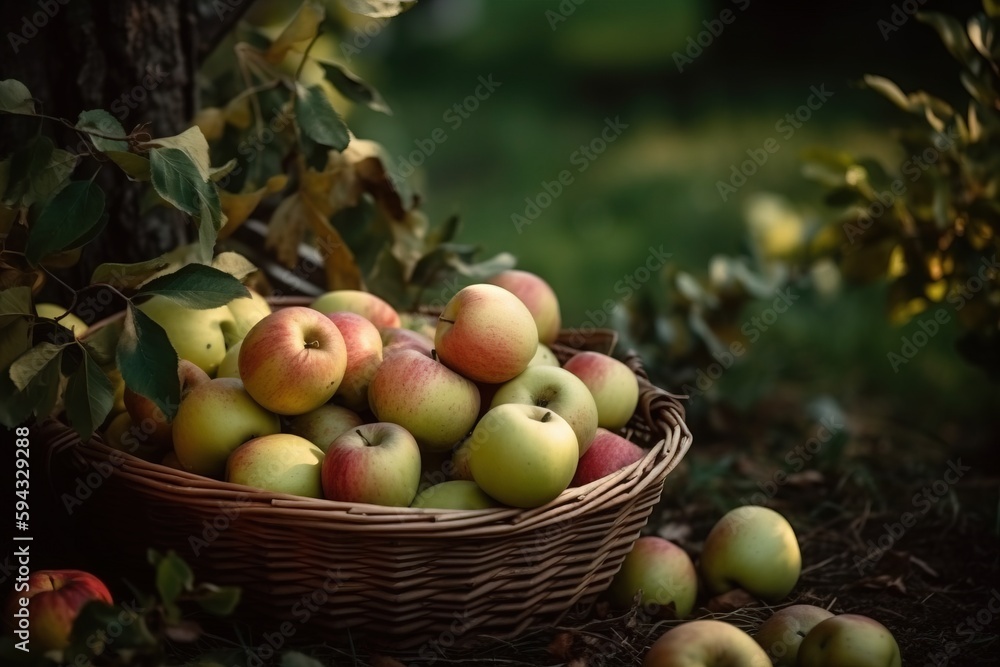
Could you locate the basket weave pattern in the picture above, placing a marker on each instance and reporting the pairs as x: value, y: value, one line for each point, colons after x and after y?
x: 406, y: 575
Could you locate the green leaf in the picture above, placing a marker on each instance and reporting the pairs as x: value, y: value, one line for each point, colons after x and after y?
x: 34, y: 382
x: 16, y: 98
x: 173, y: 577
x: 27, y: 164
x: 101, y: 122
x: 89, y: 397
x: 379, y: 9
x: 15, y: 303
x: 296, y: 659
x: 129, y: 276
x: 191, y: 142
x: 218, y: 600
x: 353, y: 88
x: 176, y: 178
x: 317, y: 119
x: 136, y: 167
x: 196, y: 286
x: 101, y: 342
x: 148, y: 362
x: 27, y: 367
x: 218, y: 173
x: 73, y: 213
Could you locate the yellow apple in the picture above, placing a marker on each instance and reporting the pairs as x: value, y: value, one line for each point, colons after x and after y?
x: 246, y: 313
x: 662, y: 573
x: 281, y: 462
x: 849, y: 640
x: 782, y: 634
x: 454, y: 495
x: 706, y: 644
x: 196, y: 335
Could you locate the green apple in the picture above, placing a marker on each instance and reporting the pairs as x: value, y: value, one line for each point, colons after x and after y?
x: 369, y: 306
x: 849, y: 640
x: 213, y: 420
x: 558, y: 390
x: 70, y: 321
x: 523, y: 455
x: 782, y: 634
x: 706, y: 644
x: 196, y: 335
x: 544, y: 356
x: 434, y: 403
x: 293, y: 360
x: 613, y: 384
x: 539, y: 298
x: 486, y: 334
x: 230, y: 366
x: 281, y: 462
x: 246, y: 313
x: 364, y: 355
x: 325, y: 424
x: 753, y: 548
x: 662, y: 573
x: 454, y: 495
x: 376, y: 463
x: 459, y: 467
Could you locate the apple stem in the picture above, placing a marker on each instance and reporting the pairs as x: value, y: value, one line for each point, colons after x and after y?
x: 362, y: 436
x: 312, y: 343
x: 434, y: 354
x: 546, y: 417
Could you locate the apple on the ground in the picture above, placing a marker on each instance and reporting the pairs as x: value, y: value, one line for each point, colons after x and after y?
x: 325, y: 424
x: 364, y: 354
x: 434, y: 403
x: 849, y: 640
x: 43, y: 615
x: 782, y: 634
x: 558, y: 390
x: 156, y: 430
x: 523, y: 455
x: 196, y: 335
x: 293, y: 360
x: 661, y: 573
x: 486, y: 334
x: 753, y: 548
x: 281, y: 462
x: 608, y: 453
x: 214, y: 419
x: 454, y: 495
x: 613, y: 384
x: 369, y: 306
x: 706, y: 644
x: 538, y: 296
x: 376, y: 463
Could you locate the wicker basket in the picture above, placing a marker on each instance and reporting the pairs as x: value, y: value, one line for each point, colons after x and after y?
x: 410, y: 577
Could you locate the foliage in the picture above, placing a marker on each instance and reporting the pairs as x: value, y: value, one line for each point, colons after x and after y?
x: 332, y: 189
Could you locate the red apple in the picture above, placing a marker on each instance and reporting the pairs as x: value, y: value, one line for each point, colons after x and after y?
x: 486, y: 334
x: 364, y: 354
x: 608, y: 453
x: 395, y: 339
x: 43, y: 615
x: 612, y: 383
x: 293, y: 360
x: 155, y: 431
x: 538, y: 296
x: 374, y: 463
x: 661, y: 573
x: 369, y: 306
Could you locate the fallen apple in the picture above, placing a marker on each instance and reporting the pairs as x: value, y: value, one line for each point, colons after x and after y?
x: 706, y: 644
x: 661, y: 574
x: 849, y: 640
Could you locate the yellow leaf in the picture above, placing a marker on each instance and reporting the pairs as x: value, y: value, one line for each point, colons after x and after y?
x: 342, y: 270
x: 211, y: 121
x: 285, y: 230
x: 302, y: 29
x: 234, y: 264
x: 238, y: 207
x: 237, y: 112
x: 193, y: 143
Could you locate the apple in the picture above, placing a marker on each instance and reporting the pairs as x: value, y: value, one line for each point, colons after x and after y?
x: 612, y: 383
x: 782, y: 634
x: 434, y: 403
x: 662, y: 573
x: 376, y: 463
x: 364, y: 354
x: 523, y: 455
x: 214, y: 419
x: 705, y: 644
x: 196, y: 335
x: 70, y: 321
x: 395, y: 339
x: 486, y: 334
x: 115, y: 377
x: 539, y: 298
x: 558, y: 390
x: 459, y: 467
x: 281, y: 462
x: 454, y: 495
x: 849, y: 640
x: 44, y: 612
x: 753, y: 548
x: 246, y: 312
x: 293, y: 360
x: 608, y: 453
x: 126, y: 436
x: 155, y: 428
x: 230, y: 365
x: 544, y: 356
x: 377, y: 311
x: 325, y: 424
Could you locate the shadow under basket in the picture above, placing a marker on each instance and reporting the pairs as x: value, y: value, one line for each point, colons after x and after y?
x: 397, y: 576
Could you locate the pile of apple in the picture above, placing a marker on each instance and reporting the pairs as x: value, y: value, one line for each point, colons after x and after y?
x: 350, y: 401
x: 753, y: 549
